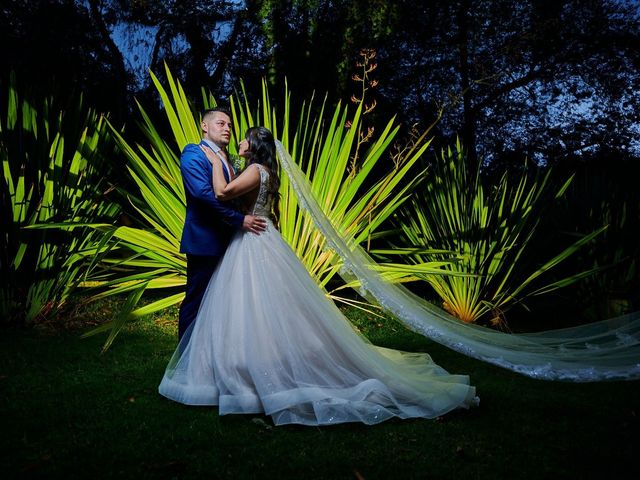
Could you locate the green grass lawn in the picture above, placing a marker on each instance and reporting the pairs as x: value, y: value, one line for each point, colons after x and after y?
x: 68, y: 411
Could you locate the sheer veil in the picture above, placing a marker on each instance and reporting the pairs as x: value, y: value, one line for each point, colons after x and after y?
x: 605, y: 350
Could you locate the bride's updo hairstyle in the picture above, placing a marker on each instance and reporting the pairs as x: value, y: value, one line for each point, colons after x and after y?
x: 262, y: 150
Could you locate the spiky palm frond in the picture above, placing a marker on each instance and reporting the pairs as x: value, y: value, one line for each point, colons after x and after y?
x: 485, y: 236
x: 322, y: 145
x: 53, y: 169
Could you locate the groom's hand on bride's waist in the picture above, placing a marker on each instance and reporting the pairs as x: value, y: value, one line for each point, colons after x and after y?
x: 254, y: 224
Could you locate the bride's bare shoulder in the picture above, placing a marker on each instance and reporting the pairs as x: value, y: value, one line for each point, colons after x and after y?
x: 259, y: 166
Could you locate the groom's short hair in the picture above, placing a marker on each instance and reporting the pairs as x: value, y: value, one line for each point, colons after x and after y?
x: 209, y: 111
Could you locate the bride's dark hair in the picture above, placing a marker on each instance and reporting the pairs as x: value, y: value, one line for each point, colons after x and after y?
x: 262, y: 150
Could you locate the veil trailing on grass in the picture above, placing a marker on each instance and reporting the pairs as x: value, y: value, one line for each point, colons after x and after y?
x: 605, y: 350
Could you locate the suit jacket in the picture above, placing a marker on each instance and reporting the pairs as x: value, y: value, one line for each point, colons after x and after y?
x: 209, y: 223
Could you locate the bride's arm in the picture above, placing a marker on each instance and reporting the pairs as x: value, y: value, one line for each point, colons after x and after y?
x: 243, y: 183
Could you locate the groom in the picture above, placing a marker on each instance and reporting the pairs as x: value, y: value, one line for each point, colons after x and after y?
x: 209, y: 224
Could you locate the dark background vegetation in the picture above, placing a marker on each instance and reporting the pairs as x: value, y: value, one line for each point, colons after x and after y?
x: 548, y: 83
x: 554, y: 81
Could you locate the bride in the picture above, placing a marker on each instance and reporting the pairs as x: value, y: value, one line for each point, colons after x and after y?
x: 267, y: 340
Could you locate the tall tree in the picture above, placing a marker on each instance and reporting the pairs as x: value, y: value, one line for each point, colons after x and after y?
x: 56, y: 47
x: 545, y: 78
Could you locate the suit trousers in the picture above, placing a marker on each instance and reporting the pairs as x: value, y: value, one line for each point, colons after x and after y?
x: 199, y: 271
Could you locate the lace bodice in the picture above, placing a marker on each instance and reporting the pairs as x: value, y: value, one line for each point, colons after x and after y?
x: 262, y: 205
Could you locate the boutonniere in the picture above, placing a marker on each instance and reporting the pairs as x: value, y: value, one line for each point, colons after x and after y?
x: 237, y: 162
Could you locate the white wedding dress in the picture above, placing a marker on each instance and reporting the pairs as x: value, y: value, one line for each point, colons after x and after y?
x: 267, y: 340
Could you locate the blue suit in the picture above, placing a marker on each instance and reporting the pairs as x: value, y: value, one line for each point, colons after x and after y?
x: 209, y: 225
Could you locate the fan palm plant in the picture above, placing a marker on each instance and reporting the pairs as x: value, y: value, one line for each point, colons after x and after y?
x: 52, y: 173
x: 148, y: 257
x: 340, y: 179
x: 486, y: 235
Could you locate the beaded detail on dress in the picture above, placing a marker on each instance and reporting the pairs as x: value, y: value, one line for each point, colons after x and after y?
x: 262, y: 205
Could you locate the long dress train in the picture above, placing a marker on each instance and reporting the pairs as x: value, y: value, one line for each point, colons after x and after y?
x: 267, y: 340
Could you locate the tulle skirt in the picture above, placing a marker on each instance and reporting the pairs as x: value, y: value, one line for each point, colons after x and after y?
x: 267, y: 340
